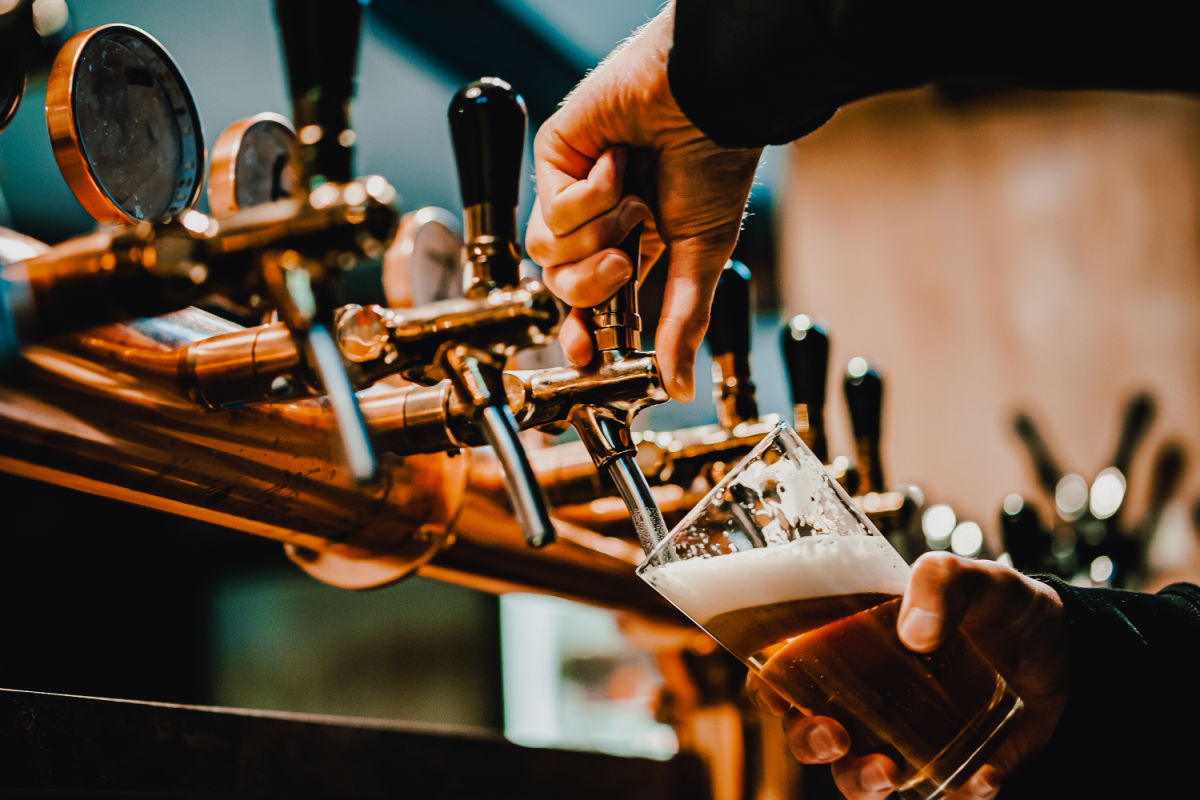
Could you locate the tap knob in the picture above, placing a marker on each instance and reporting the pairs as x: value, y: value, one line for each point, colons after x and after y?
x: 728, y: 336
x: 864, y: 398
x: 487, y: 124
x: 806, y: 356
x: 1045, y: 467
x: 1139, y: 413
x: 320, y: 41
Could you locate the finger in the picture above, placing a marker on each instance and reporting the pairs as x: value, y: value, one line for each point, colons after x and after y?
x: 815, y: 740
x: 607, y: 230
x: 946, y: 590
x: 569, y: 197
x: 871, y: 777
x: 692, y: 270
x: 591, y: 281
x: 575, y: 338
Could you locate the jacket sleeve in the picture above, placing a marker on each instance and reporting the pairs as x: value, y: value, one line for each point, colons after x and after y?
x: 755, y: 72
x: 1129, y: 728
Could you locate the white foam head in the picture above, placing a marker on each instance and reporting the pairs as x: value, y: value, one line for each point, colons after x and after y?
x: 813, y: 566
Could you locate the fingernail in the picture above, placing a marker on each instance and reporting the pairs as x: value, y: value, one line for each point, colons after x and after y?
x: 874, y: 778
x: 613, y: 271
x: 681, y: 384
x: 920, y: 627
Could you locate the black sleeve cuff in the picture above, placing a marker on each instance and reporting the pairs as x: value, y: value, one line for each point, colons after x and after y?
x: 1133, y: 698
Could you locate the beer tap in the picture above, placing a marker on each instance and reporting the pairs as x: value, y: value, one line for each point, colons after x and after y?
x: 728, y: 337
x: 864, y: 399
x: 487, y: 125
x: 806, y: 355
x: 605, y: 427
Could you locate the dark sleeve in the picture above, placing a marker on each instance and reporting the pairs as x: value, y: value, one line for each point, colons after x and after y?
x: 1129, y: 729
x: 755, y: 72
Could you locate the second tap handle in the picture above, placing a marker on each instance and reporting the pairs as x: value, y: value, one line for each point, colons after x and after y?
x: 728, y: 338
x: 864, y: 398
x: 320, y: 45
x: 487, y: 126
x: 806, y: 357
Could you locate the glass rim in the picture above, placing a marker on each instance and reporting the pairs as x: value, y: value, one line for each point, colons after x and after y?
x: 780, y: 428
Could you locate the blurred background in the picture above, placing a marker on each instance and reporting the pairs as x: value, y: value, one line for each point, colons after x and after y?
x: 1021, y: 268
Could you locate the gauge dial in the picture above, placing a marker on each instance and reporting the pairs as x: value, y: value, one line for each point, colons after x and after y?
x: 254, y: 161
x: 124, y: 126
x: 424, y: 261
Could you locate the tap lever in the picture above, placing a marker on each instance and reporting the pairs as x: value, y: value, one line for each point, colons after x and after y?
x: 320, y: 41
x: 617, y: 322
x: 728, y: 339
x: 487, y: 124
x: 304, y: 309
x: 864, y: 397
x: 806, y: 356
x: 479, y: 381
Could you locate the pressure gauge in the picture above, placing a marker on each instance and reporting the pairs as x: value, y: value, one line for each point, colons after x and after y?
x: 124, y: 126
x: 254, y: 161
x: 424, y: 261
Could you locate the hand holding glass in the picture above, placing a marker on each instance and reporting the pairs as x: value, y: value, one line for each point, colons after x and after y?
x: 782, y: 568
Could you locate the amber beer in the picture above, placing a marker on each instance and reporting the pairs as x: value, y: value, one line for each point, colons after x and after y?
x: 838, y: 655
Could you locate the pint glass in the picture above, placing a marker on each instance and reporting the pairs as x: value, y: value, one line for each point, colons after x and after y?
x: 782, y: 568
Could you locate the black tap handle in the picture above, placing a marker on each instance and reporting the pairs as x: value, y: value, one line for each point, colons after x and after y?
x: 864, y: 399
x: 320, y: 46
x: 1045, y: 467
x: 1025, y: 540
x: 805, y: 347
x: 487, y: 125
x: 728, y: 338
x: 1139, y: 413
x: 729, y: 328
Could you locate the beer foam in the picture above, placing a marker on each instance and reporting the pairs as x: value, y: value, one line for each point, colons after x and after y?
x: 813, y: 566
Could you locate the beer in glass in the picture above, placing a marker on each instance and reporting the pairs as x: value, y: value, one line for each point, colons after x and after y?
x: 782, y: 568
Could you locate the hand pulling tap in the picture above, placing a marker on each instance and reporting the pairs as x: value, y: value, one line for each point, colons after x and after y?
x: 605, y: 427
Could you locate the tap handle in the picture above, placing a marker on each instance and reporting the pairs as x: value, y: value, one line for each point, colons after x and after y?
x: 320, y: 46
x: 617, y: 323
x: 487, y: 125
x: 303, y: 309
x: 1139, y: 413
x: 728, y: 338
x: 1025, y: 540
x: 864, y: 398
x: 805, y: 347
x: 1045, y: 467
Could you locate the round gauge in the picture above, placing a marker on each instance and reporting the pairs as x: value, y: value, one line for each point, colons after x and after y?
x: 124, y: 126
x: 424, y: 261
x: 254, y: 161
